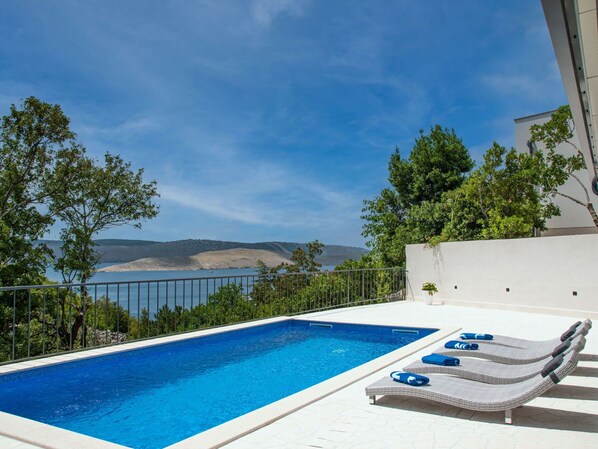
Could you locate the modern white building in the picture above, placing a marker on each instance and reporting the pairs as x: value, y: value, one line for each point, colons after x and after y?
x: 547, y: 275
x: 573, y: 27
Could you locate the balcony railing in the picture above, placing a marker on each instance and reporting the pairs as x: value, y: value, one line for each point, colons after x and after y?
x: 38, y: 320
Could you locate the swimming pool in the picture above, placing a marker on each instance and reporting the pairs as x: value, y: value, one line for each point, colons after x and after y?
x: 152, y: 397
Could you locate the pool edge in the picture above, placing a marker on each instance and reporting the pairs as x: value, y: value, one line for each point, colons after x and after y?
x: 234, y: 429
x: 47, y: 436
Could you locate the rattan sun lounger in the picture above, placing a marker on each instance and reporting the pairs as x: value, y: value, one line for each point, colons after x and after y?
x: 508, y: 354
x: 504, y: 340
x: 491, y: 372
x: 478, y: 396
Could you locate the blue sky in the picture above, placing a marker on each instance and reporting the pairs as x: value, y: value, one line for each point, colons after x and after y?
x: 274, y: 119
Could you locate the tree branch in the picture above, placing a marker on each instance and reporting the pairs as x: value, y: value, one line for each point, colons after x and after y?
x: 575, y: 200
x: 582, y: 186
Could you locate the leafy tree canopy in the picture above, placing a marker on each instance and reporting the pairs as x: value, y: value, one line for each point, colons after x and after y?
x: 438, y: 163
x: 34, y: 139
x: 434, y: 195
x: 306, y: 261
x: 302, y: 261
x: 500, y: 199
x: 101, y: 197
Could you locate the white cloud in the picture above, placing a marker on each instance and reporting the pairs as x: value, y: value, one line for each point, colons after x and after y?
x: 266, y: 11
x: 536, y: 86
x: 122, y: 131
x: 251, y: 201
x: 260, y: 192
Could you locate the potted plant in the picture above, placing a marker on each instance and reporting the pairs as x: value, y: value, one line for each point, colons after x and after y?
x: 428, y: 290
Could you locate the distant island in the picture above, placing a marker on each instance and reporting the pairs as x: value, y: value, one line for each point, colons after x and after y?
x: 197, y: 254
x: 209, y: 260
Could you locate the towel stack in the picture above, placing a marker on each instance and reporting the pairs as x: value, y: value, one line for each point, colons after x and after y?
x: 472, y: 336
x: 409, y: 378
x: 442, y: 360
x: 453, y: 344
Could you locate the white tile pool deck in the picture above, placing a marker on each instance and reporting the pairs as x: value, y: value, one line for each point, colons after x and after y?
x: 566, y: 416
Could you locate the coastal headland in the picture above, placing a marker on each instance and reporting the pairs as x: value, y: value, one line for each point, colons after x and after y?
x: 209, y: 260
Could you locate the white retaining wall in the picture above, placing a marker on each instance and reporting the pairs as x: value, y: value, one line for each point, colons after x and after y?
x: 540, y: 274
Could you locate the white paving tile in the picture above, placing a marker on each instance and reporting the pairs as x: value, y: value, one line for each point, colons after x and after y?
x: 9, y: 443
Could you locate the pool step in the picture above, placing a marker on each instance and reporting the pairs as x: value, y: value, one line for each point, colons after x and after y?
x: 405, y: 331
x: 329, y: 326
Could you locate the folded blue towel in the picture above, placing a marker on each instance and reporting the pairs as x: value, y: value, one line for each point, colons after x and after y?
x: 439, y: 359
x: 409, y: 378
x: 472, y: 336
x: 453, y: 344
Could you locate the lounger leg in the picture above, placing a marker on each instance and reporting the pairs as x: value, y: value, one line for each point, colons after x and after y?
x: 373, y: 400
x: 509, y: 416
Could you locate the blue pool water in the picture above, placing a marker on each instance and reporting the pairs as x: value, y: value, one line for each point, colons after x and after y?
x: 153, y: 397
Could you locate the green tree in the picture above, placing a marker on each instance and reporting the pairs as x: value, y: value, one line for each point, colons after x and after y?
x: 501, y: 199
x: 508, y: 196
x: 559, y: 129
x: 302, y: 261
x: 306, y: 260
x: 271, y: 286
x: 101, y: 197
x: 105, y: 315
x: 34, y: 139
x: 438, y: 163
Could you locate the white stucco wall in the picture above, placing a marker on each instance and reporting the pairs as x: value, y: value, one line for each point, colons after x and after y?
x: 540, y: 273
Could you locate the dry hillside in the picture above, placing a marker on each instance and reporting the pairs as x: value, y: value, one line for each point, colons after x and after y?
x: 120, y: 251
x: 209, y: 260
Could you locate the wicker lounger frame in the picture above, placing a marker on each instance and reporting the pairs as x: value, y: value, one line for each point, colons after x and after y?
x: 501, y: 354
x: 504, y: 340
x: 491, y: 372
x: 477, y: 396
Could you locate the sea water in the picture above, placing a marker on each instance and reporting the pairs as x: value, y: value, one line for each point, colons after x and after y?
x: 132, y: 276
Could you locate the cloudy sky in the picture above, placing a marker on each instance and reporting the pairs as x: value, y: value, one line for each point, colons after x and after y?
x: 274, y: 119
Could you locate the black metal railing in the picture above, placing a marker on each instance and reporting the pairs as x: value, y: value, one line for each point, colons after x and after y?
x: 38, y: 320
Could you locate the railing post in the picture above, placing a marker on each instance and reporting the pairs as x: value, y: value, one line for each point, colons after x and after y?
x: 362, y: 285
x: 29, y: 325
x: 348, y: 287
x: 14, y: 322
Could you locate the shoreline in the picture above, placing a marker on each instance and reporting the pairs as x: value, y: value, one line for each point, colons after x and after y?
x: 133, y: 270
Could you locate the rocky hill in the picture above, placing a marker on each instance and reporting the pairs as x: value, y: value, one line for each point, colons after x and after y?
x: 121, y: 251
x: 209, y: 260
